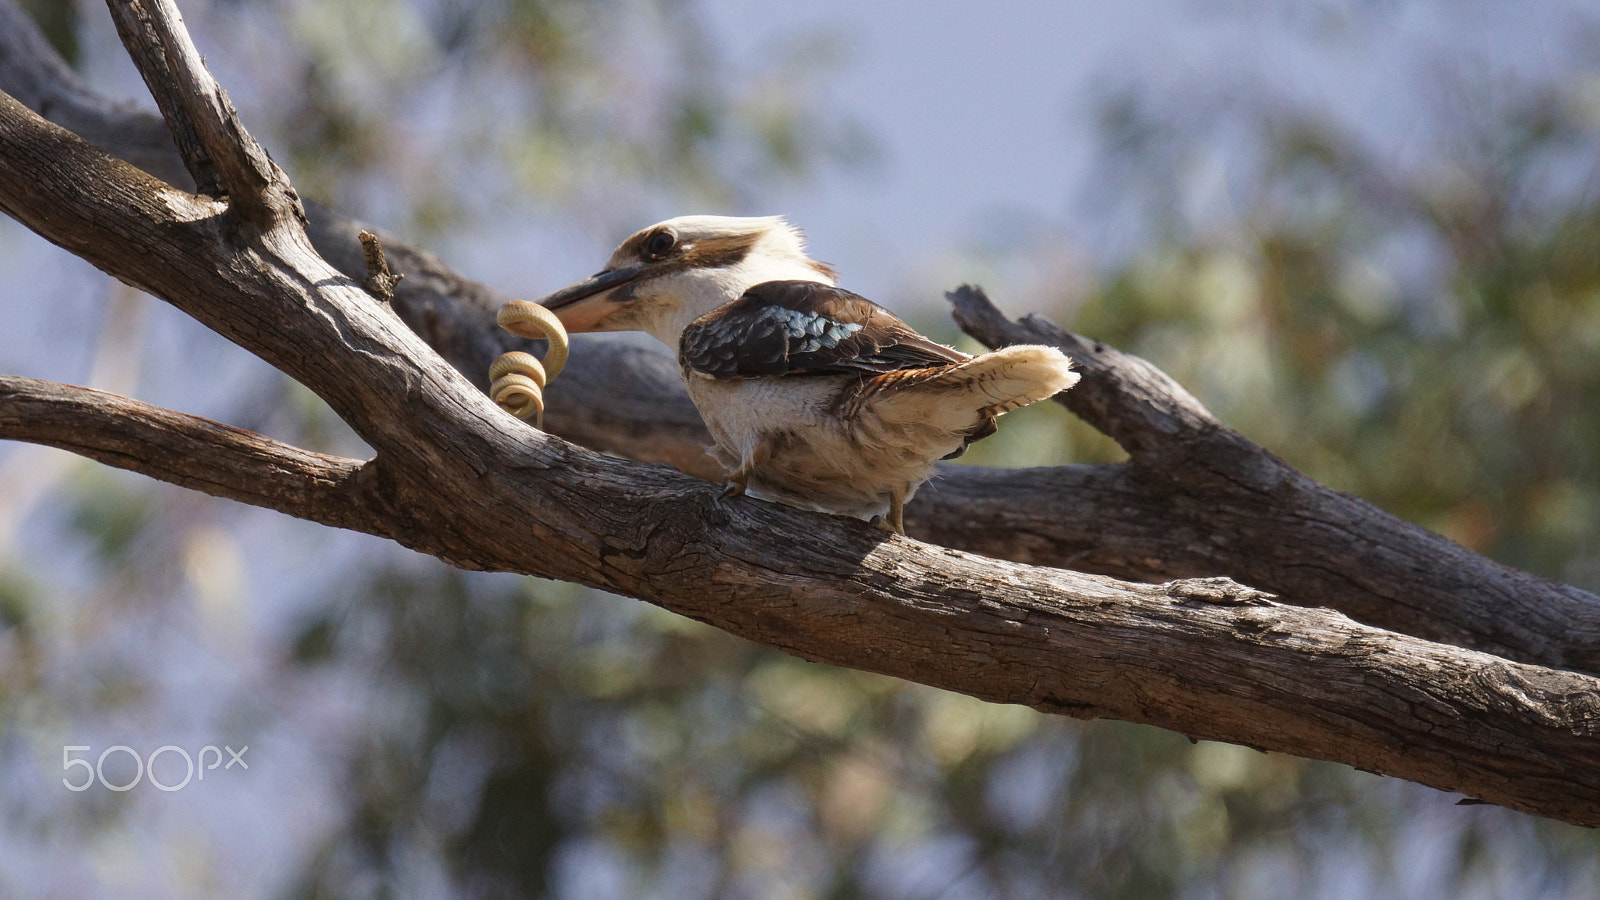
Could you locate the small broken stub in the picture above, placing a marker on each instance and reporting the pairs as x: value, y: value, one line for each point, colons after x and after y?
x: 517, y: 380
x: 380, y: 280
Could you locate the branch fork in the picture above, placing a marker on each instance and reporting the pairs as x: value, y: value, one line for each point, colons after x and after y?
x: 458, y: 479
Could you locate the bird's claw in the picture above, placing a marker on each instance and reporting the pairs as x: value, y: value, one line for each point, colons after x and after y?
x: 885, y: 524
x: 719, y: 514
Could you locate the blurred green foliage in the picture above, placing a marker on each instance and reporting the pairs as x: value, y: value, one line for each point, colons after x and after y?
x: 444, y: 113
x: 1464, y: 397
x: 59, y: 22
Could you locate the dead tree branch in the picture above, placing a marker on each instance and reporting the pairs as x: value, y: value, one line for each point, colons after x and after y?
x: 1232, y: 508
x: 1227, y: 504
x: 456, y: 478
x: 185, y: 450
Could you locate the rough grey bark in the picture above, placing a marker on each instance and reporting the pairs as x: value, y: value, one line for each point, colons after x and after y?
x: 457, y: 478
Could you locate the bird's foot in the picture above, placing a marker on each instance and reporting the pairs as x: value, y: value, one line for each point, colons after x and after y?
x: 739, y: 478
x: 721, y: 510
x: 895, y: 521
x: 718, y: 513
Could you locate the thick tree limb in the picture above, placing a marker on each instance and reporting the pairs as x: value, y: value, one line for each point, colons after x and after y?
x: 1209, y: 659
x: 1164, y: 516
x: 458, y: 479
x: 1229, y: 505
x: 185, y: 450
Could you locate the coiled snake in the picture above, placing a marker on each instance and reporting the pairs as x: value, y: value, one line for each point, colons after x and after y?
x: 517, y: 379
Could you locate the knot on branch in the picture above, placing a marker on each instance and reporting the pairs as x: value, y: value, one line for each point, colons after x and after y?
x: 1215, y: 592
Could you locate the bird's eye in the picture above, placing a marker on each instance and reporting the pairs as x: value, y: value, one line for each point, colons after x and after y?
x: 658, y: 245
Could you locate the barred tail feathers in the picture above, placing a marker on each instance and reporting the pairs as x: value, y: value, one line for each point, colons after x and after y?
x: 956, y: 398
x: 1017, y: 376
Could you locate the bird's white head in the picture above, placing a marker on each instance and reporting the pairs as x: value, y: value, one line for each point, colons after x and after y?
x: 666, y: 276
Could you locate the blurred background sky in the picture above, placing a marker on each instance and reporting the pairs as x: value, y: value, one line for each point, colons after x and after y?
x: 985, y: 121
x: 1366, y: 233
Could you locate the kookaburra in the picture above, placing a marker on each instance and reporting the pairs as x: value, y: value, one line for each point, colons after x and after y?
x: 815, y: 397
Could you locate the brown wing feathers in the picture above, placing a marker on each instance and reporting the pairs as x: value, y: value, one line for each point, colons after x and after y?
x: 805, y: 328
x: 810, y: 328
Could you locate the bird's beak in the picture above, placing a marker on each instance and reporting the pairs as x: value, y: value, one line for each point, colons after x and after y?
x: 584, y: 306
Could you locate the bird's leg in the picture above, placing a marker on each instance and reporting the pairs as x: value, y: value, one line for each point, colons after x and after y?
x: 895, y: 521
x: 739, y: 478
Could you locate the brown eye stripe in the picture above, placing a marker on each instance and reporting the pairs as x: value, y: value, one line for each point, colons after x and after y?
x: 717, y: 252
